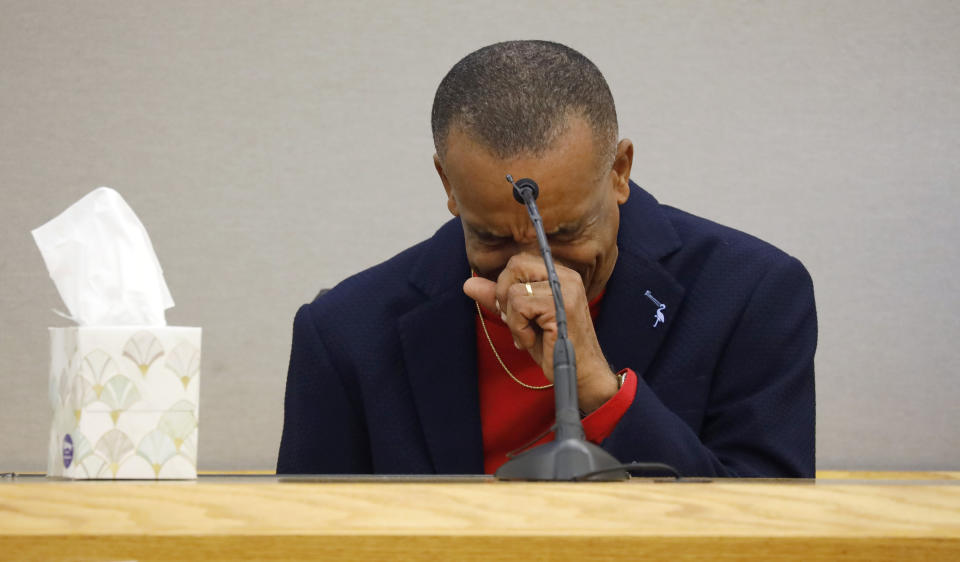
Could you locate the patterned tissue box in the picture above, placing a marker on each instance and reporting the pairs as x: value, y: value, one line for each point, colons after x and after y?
x: 125, y: 402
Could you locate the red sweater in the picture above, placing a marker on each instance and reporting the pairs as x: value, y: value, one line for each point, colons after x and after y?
x: 512, y: 416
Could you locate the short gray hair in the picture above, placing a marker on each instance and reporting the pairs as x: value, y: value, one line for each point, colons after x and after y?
x: 516, y: 98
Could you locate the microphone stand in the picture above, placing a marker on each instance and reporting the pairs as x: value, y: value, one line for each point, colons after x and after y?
x: 569, y: 455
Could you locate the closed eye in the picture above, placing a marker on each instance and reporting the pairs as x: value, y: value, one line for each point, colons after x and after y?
x: 566, y: 234
x: 490, y: 239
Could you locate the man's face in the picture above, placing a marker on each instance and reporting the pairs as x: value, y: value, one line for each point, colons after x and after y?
x: 579, y: 202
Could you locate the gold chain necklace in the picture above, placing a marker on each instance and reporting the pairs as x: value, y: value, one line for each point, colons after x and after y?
x: 497, y: 355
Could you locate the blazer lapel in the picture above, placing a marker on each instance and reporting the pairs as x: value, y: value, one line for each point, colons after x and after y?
x: 439, y: 349
x: 629, y: 328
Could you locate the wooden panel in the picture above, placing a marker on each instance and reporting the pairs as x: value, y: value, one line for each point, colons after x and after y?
x: 481, y: 548
x: 885, y: 475
x: 224, y: 519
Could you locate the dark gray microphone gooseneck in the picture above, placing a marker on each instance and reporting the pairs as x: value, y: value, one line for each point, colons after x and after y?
x: 569, y: 455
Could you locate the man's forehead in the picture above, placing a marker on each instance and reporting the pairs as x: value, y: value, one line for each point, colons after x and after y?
x: 493, y: 229
x: 559, y: 214
x: 575, y: 141
x: 570, y: 164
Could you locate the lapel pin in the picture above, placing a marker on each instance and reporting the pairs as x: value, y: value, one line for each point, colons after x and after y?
x: 658, y: 319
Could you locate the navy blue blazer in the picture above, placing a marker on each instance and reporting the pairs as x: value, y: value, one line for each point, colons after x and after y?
x: 383, y: 367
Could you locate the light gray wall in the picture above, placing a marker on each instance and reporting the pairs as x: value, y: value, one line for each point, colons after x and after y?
x: 273, y: 148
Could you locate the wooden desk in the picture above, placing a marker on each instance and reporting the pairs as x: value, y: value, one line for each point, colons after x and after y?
x: 259, y: 517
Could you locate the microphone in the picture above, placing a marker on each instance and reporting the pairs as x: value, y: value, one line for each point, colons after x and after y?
x: 569, y: 456
x: 523, y: 189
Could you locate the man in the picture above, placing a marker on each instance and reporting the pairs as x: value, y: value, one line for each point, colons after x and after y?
x: 694, y: 342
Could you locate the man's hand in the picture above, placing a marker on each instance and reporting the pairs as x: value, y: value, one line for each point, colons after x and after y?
x: 532, y: 320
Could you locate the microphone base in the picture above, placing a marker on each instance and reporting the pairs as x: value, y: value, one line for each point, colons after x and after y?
x: 566, y: 459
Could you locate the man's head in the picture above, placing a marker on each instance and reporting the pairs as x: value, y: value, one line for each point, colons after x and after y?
x: 539, y: 110
x: 516, y: 97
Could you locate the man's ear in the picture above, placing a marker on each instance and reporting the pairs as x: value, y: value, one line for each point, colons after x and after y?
x: 622, y: 163
x: 451, y: 201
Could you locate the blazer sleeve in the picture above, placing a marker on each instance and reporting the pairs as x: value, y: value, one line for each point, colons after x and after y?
x: 760, y: 416
x: 323, y: 430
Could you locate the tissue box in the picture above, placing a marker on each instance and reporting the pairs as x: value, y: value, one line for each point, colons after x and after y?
x: 125, y: 402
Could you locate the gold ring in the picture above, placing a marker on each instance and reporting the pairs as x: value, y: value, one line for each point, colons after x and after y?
x: 529, y: 289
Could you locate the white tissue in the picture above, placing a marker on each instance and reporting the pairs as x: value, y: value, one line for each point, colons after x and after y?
x: 103, y: 264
